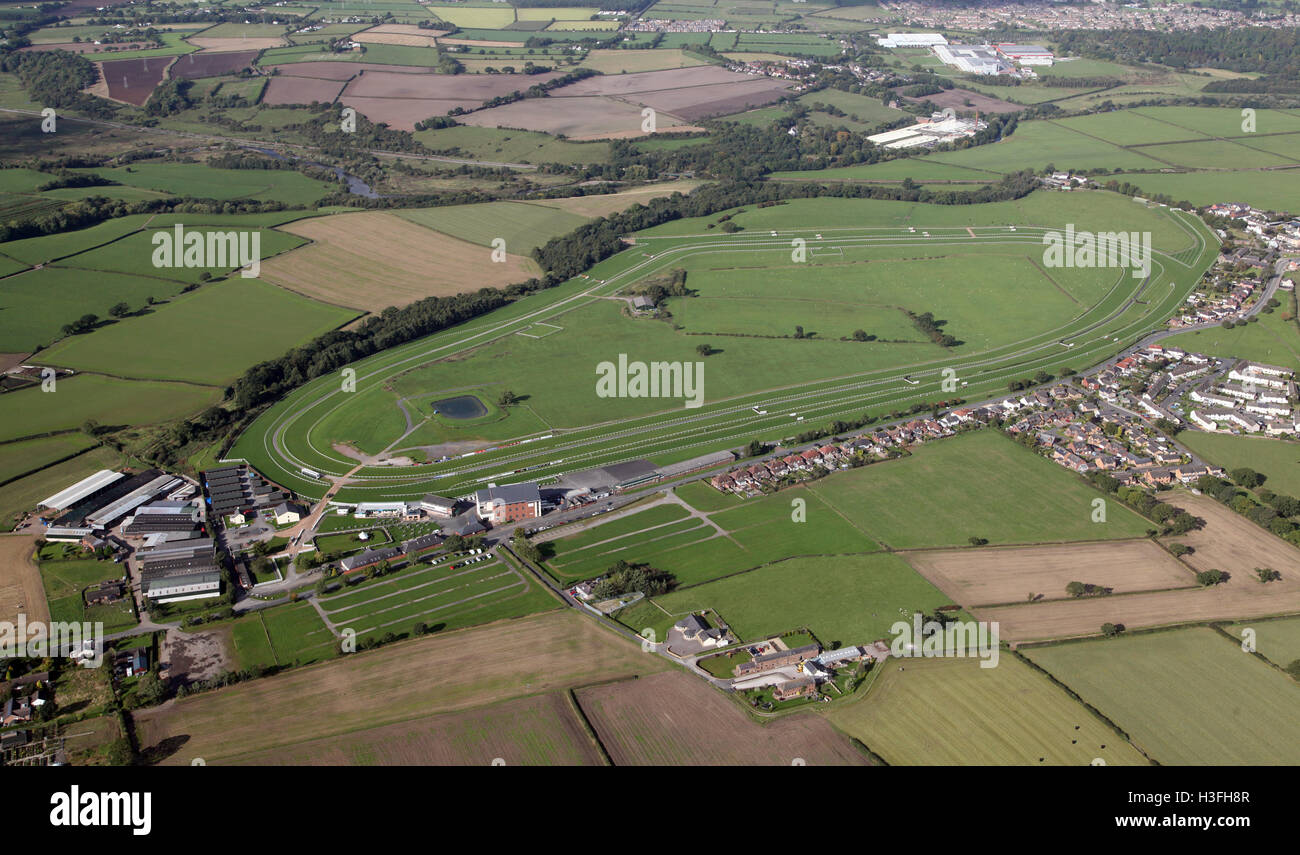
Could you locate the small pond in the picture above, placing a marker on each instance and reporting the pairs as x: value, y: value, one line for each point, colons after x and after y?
x: 462, y: 407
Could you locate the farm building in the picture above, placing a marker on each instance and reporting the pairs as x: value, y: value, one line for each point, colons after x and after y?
x: 285, y: 514
x: 777, y: 659
x: 438, y: 506
x: 792, y: 689
x: 1026, y: 54
x: 83, y: 489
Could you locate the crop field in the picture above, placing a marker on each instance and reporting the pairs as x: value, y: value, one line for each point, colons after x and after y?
x: 283, y: 89
x: 207, y: 64
x: 641, y: 723
x: 212, y: 334
x: 952, y: 712
x: 579, y: 118
x: 974, y: 485
x: 541, y: 730
x: 974, y: 577
x: 632, y: 61
x: 399, y: 34
x: 601, y: 205
x: 204, y: 182
x: 521, y: 225
x: 555, y: 370
x: 850, y: 599
x: 421, y: 677
x: 133, y: 80
x: 21, y: 588
x: 372, y: 260
x: 447, y: 595
x: 1189, y: 697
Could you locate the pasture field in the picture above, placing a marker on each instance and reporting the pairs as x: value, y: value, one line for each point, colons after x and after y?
x: 21, y: 495
x: 974, y: 577
x: 422, y: 677
x: 371, y: 260
x: 541, y: 730
x: 499, y: 145
x: 1277, y: 459
x: 1174, y: 692
x: 445, y: 596
x: 523, y: 226
x: 916, y: 168
x: 486, y: 17
x: 87, y: 739
x: 107, y: 400
x: 952, y: 712
x: 1277, y: 640
x: 65, y: 578
x: 604, y: 204
x: 701, y: 496
x: 20, y: 458
x: 1270, y: 190
x: 850, y: 599
x: 979, y: 484
x: 211, y: 334
x: 205, y: 182
x: 640, y: 723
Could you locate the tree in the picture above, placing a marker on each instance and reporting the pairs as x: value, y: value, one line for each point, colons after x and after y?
x: 1180, y: 549
x: 1110, y: 630
x: 1267, y: 574
x: 1246, y: 477
x: 861, y: 335
x: 975, y: 540
x: 151, y: 690
x: 507, y: 398
x: 1075, y: 589
x: 1209, y: 578
x: 120, y: 310
x: 704, y: 349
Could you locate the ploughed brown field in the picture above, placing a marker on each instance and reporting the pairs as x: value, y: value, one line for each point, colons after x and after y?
x: 133, y: 80
x: 205, y: 64
x: 85, y: 47
x: 401, y: 99
x: 399, y: 34
x: 698, y: 102
x: 985, y: 576
x: 1228, y: 542
x: 21, y: 590
x: 402, y: 682
x: 652, y: 81
x: 372, y: 259
x: 301, y: 90
x: 543, y: 730
x: 578, y: 118
x: 342, y: 69
x: 678, y: 720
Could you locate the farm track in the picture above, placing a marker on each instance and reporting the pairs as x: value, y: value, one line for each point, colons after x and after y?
x: 729, y: 421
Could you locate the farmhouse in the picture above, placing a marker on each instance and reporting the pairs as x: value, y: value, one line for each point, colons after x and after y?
x: 777, y: 659
x: 792, y: 689
x: 509, y: 503
x: 285, y: 514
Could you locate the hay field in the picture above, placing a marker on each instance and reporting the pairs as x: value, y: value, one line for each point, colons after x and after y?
x: 1186, y: 698
x: 21, y: 591
x: 399, y: 34
x: 676, y: 719
x: 426, y: 676
x: 537, y: 731
x: 611, y: 203
x: 951, y: 712
x: 215, y: 44
x: 372, y: 260
x: 983, y: 576
x: 613, y: 61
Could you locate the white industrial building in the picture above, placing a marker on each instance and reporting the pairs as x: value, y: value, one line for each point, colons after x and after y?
x: 972, y: 59
x: 927, y: 133
x: 1026, y: 54
x: 897, y: 40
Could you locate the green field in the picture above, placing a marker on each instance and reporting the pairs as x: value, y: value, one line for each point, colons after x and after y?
x: 204, y: 182
x: 1276, y: 640
x: 107, y: 400
x: 1188, y: 698
x: 817, y: 378
x: 65, y: 578
x: 1270, y: 340
x: 448, y: 595
x: 975, y: 485
x: 952, y: 712
x: 850, y: 599
x: 509, y: 146
x: 210, y: 335
x: 20, y: 458
x: 21, y: 495
x: 1277, y: 459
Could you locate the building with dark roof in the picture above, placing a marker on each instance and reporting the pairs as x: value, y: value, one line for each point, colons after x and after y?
x: 509, y: 503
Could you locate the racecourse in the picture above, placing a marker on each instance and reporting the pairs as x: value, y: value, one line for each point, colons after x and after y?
x: 292, y: 434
